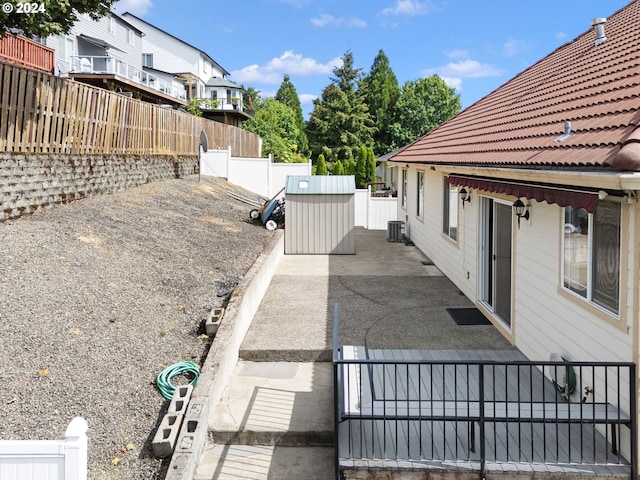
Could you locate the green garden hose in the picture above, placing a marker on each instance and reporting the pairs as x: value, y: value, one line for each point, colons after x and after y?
x: 163, y: 381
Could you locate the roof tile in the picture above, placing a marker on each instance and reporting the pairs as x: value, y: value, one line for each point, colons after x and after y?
x: 596, y: 88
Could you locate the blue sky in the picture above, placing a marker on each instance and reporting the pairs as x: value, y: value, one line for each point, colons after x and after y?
x: 475, y: 46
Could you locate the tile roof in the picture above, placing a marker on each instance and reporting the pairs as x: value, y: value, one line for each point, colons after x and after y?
x: 596, y: 88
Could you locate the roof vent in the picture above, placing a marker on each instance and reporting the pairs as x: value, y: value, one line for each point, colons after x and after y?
x: 598, y: 24
x: 567, y: 132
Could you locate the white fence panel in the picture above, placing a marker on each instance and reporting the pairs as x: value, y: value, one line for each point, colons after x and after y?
x: 259, y: 175
x: 47, y: 459
x: 250, y: 173
x: 374, y: 213
x: 215, y: 163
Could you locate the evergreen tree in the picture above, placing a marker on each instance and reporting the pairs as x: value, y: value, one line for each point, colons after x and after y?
x: 340, y: 121
x: 288, y: 95
x: 371, y: 166
x: 361, y: 167
x: 383, y: 92
x: 337, y: 168
x: 321, y: 165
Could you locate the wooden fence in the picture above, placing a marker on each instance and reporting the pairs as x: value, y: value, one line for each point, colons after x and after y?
x: 41, y: 113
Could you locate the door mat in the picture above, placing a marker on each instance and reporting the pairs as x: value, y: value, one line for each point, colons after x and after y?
x: 468, y: 316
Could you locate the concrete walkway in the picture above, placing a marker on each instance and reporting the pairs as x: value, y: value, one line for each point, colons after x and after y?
x: 275, y: 420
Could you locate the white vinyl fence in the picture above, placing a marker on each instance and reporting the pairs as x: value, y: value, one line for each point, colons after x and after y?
x: 374, y: 213
x: 266, y: 178
x: 259, y: 175
x: 47, y: 459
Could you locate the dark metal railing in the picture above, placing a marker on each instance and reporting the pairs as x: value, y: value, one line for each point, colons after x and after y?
x: 556, y: 413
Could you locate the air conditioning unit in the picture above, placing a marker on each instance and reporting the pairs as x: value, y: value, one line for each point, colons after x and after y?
x: 395, y: 231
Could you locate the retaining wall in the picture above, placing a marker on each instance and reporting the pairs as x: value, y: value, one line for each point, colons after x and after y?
x: 32, y: 181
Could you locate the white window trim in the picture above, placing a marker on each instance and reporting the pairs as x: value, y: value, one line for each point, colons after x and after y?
x: 588, y: 300
x: 420, y: 194
x: 404, y: 182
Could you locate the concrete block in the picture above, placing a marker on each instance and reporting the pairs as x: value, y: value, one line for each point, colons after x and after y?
x: 193, y: 434
x: 180, y: 399
x: 165, y: 438
x: 213, y: 321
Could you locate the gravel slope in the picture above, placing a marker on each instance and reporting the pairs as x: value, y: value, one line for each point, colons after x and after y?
x: 98, y: 296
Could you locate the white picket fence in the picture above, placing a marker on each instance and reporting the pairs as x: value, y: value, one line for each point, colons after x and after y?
x: 47, y: 459
x: 266, y: 178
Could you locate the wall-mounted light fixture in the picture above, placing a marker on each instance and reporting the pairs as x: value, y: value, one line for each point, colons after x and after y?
x: 465, y: 196
x: 521, y: 210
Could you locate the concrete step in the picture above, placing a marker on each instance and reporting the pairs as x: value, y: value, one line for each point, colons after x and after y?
x: 300, y: 355
x: 256, y: 462
x: 286, y: 404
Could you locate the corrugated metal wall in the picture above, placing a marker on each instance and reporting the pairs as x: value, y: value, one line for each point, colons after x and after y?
x: 320, y: 224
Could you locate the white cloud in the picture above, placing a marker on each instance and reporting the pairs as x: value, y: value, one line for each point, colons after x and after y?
x: 466, y: 69
x: 291, y: 63
x: 455, y: 83
x: 307, y: 98
x: 407, y: 8
x: 560, y: 36
x: 513, y: 47
x: 326, y: 19
x: 136, y: 7
x: 455, y: 54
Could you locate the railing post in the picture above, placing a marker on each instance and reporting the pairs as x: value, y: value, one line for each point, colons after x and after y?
x: 483, y: 453
x: 75, y: 450
x: 336, y: 398
x: 633, y: 406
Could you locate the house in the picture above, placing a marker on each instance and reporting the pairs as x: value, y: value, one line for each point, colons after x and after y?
x: 527, y: 199
x: 107, y: 53
x: 202, y: 76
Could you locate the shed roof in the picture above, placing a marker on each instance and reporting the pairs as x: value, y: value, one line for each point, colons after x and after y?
x: 595, y: 87
x: 320, y: 185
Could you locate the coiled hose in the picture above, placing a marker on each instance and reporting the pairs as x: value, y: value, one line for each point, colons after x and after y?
x: 163, y: 381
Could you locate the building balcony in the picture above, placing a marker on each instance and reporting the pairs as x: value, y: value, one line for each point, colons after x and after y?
x: 21, y: 51
x: 83, y: 66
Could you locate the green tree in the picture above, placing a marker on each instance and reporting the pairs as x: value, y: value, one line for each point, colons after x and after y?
x: 382, y: 94
x: 371, y: 166
x: 321, y: 165
x: 276, y: 125
x: 288, y: 95
x: 423, y: 105
x: 340, y: 120
x: 251, y: 99
x: 52, y: 17
x: 361, y: 167
x: 337, y: 168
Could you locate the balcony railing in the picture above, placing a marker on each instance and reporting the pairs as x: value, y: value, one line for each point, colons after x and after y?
x: 27, y: 53
x: 114, y: 66
x: 392, y: 411
x: 221, y: 104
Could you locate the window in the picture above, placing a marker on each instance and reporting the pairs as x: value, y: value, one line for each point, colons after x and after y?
x: 147, y: 60
x: 591, y: 254
x: 65, y: 48
x: 420, y: 194
x: 450, y: 210
x: 404, y: 188
x: 131, y: 38
x: 112, y: 26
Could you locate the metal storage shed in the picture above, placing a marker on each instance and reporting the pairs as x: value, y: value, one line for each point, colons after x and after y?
x: 320, y: 216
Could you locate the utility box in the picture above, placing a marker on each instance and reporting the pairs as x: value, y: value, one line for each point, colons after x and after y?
x: 320, y: 214
x: 395, y: 231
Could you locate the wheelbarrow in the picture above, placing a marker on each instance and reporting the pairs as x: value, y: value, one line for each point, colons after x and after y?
x: 272, y: 212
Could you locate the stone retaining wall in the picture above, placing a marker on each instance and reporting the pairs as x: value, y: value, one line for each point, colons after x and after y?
x: 32, y: 181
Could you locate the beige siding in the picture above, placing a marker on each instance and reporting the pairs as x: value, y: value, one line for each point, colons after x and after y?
x: 545, y: 319
x: 320, y: 224
x: 455, y: 259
